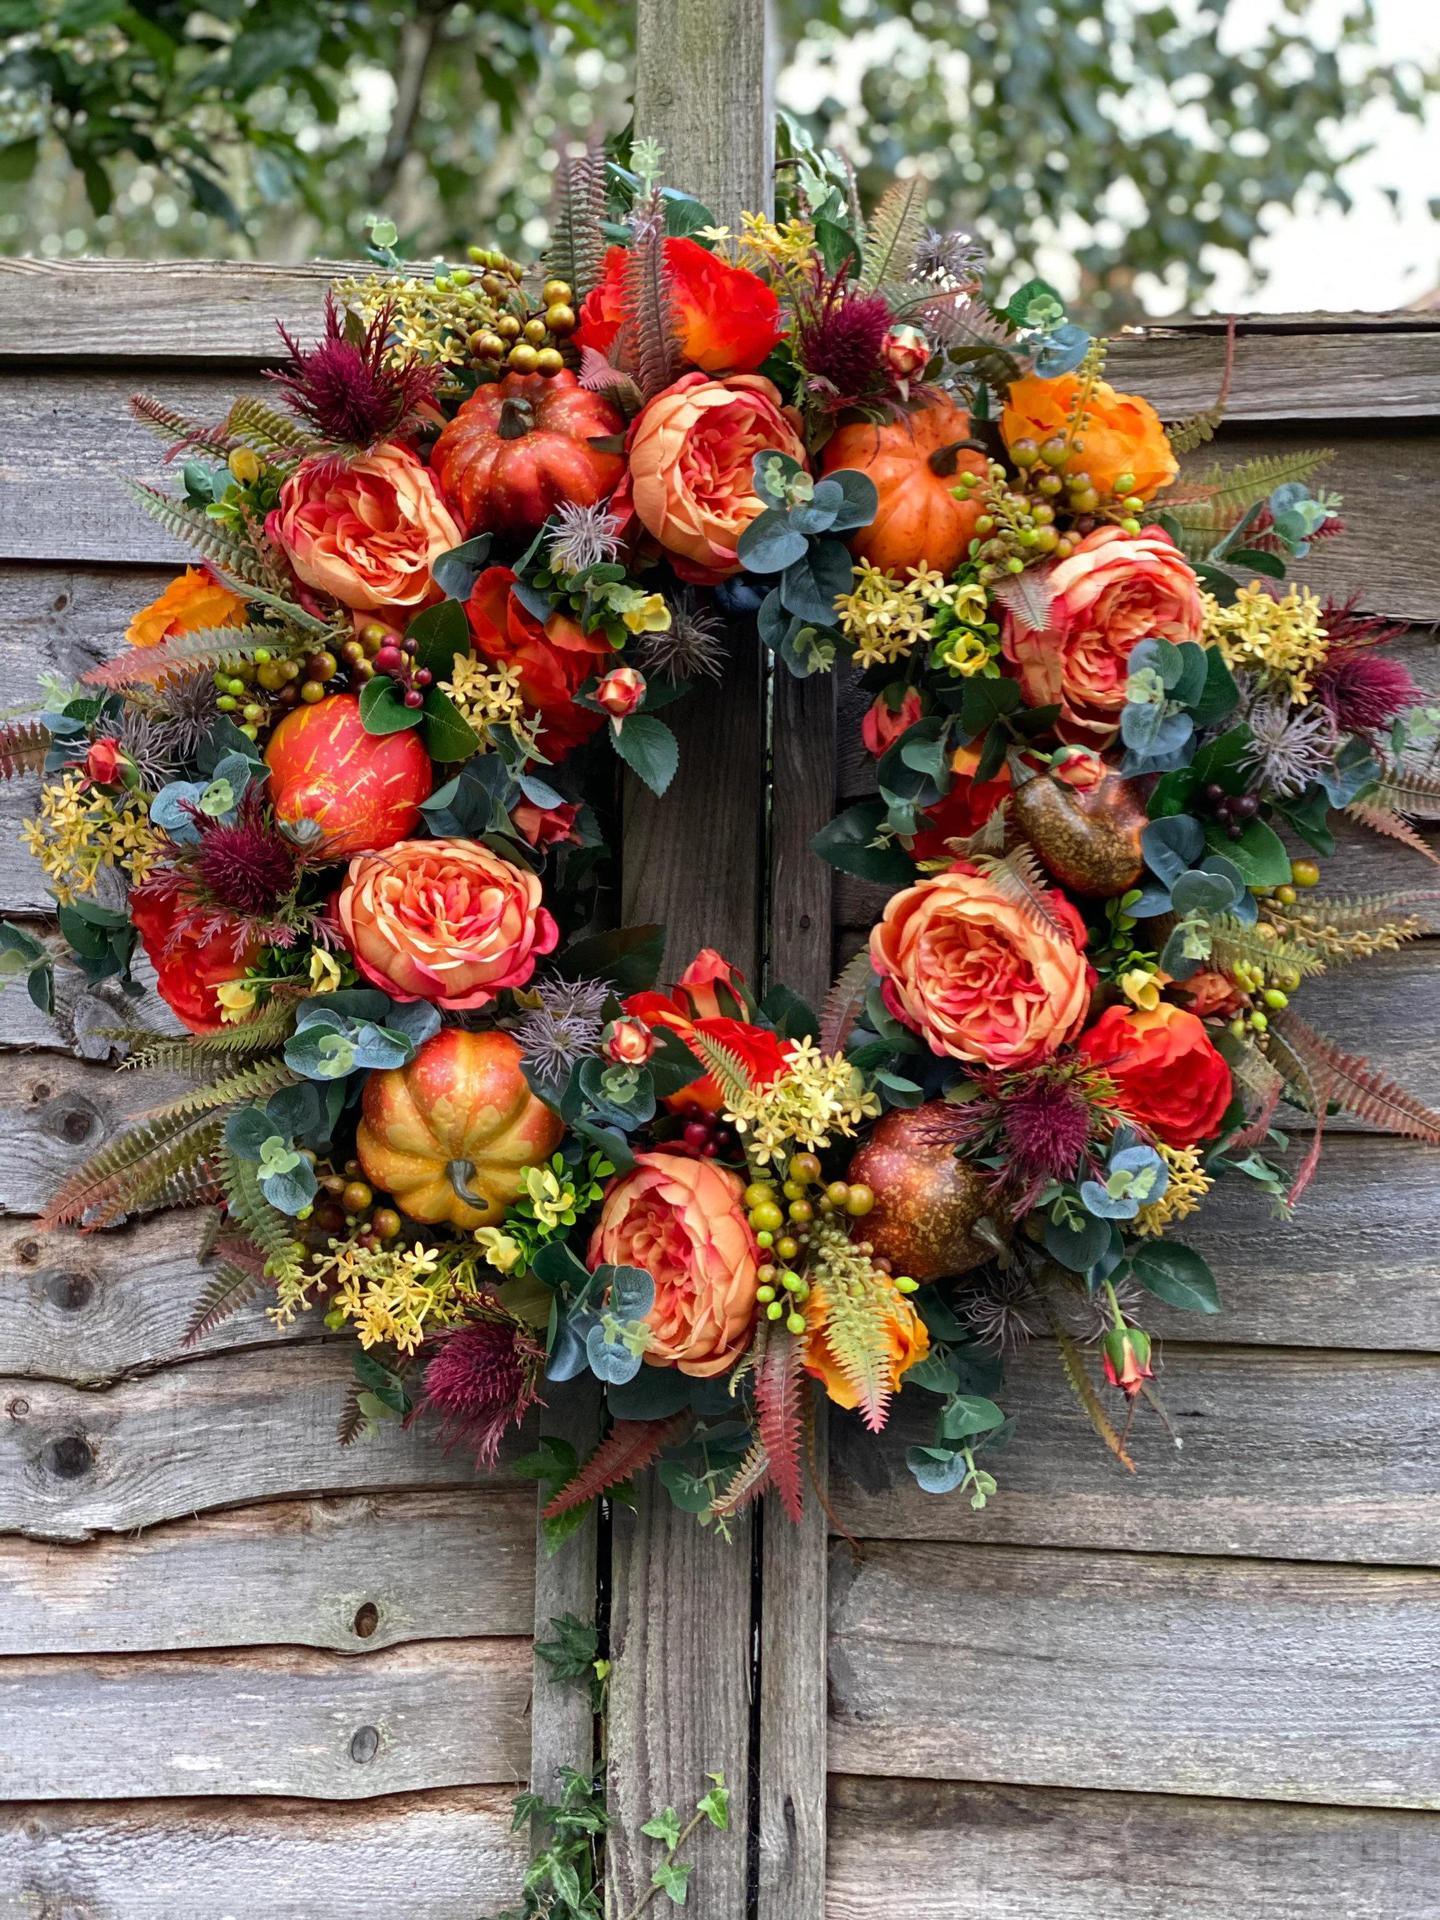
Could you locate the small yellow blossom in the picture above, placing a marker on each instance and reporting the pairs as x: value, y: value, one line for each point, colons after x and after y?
x: 649, y: 614
x: 79, y: 830
x: 325, y: 974
x: 1282, y: 640
x: 1189, y: 1184
x: 237, y: 1000
x: 886, y: 617
x: 391, y: 1294
x: 500, y: 1250
x: 817, y: 1097
x: 786, y: 251
x: 965, y: 652
x: 488, y: 697
x: 1141, y: 987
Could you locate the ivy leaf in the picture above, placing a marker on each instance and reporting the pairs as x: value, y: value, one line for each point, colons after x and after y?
x: 664, y: 1827
x: 648, y: 748
x: 448, y: 734
x: 673, y: 1878
x: 439, y: 633
x: 456, y: 571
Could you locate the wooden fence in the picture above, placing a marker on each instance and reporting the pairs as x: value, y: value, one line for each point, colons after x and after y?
x: 248, y: 1672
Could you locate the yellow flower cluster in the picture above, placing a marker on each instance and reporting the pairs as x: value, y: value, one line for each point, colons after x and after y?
x: 389, y: 1293
x: 786, y: 251
x: 489, y: 697
x: 886, y: 617
x: 1189, y: 1184
x: 1280, y: 639
x: 431, y: 322
x: 80, y: 830
x: 818, y: 1096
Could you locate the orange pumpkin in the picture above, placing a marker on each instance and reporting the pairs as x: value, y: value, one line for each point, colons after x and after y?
x: 915, y: 464
x: 522, y: 446
x: 459, y: 1118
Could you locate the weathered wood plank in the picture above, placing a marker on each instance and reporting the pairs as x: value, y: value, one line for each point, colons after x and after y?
x: 92, y: 1308
x: 213, y: 1433
x: 562, y: 1723
x: 957, y: 1851
x: 429, y: 1856
x: 1297, y: 1454
x: 1243, y: 1679
x: 58, y: 1112
x: 1336, y: 374
x: 269, y: 1720
x: 349, y: 1575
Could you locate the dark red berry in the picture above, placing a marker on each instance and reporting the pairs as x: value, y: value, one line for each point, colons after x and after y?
x: 414, y: 699
x: 389, y: 659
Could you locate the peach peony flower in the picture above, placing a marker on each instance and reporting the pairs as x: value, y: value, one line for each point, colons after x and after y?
x: 188, y: 605
x: 690, y: 456
x: 728, y: 318
x: 909, y: 1340
x: 1167, y: 1074
x: 366, y: 532
x: 443, y: 920
x: 1122, y: 435
x: 1114, y: 591
x: 682, y: 1221
x: 978, y: 977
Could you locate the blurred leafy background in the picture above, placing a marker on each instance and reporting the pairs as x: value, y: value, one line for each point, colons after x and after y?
x: 1151, y: 143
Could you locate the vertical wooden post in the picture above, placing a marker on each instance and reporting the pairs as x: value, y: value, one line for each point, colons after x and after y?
x: 681, y: 1621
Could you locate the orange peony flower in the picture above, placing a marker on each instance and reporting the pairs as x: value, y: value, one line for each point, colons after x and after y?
x: 692, y: 1007
x: 1114, y: 591
x: 976, y: 976
x: 682, y: 1221
x: 909, y: 1342
x: 365, y: 532
x: 1122, y: 433
x: 690, y: 481
x: 188, y: 605
x: 555, y: 659
x: 729, y: 319
x: 189, y: 966
x: 1168, y: 1076
x: 443, y: 920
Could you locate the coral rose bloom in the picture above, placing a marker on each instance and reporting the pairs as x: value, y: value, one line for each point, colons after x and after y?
x: 189, y: 966
x: 1122, y: 433
x: 366, y: 532
x: 975, y: 976
x: 682, y: 1221
x: 907, y: 1335
x: 443, y: 920
x: 188, y: 605
x: 729, y: 319
x: 555, y: 659
x: 690, y: 480
x: 1115, y: 590
x: 1168, y: 1076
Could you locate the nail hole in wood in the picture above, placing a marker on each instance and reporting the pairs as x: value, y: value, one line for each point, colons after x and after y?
x: 364, y: 1745
x: 70, y: 1457
x: 69, y: 1291
x: 367, y: 1618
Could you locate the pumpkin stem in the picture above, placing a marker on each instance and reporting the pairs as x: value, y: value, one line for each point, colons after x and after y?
x: 517, y: 417
x: 459, y: 1174
x: 944, y: 460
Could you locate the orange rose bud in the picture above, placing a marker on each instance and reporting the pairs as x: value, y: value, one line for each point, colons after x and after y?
x: 628, y: 1042
x: 681, y: 1219
x: 620, y: 693
x: 1168, y: 1077
x: 545, y: 827
x: 1122, y: 433
x: 105, y: 763
x: 1114, y: 591
x: 191, y: 604
x: 366, y: 532
x: 729, y: 319
x: 1125, y: 1356
x: 978, y: 977
x: 690, y: 481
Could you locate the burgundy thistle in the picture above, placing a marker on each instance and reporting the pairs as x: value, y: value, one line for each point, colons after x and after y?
x: 237, y: 873
x: 480, y: 1382
x: 1361, y: 691
x: 347, y: 387
x: 840, y: 339
x: 1036, y: 1126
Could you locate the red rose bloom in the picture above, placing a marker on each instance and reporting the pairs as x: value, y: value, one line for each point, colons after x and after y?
x: 729, y: 319
x: 189, y: 966
x: 965, y: 808
x: 555, y: 660
x: 692, y: 1007
x: 1168, y: 1076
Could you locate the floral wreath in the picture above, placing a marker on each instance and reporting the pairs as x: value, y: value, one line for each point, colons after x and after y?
x: 341, y: 787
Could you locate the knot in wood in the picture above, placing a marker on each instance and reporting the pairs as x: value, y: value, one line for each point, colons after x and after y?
x: 70, y: 1457
x: 69, y: 1291
x: 364, y: 1745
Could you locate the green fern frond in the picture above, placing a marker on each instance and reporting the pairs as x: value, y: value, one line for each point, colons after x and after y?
x: 895, y: 230
x: 1414, y: 793
x: 212, y: 540
x: 180, y: 1174
x: 1232, y: 943
x: 1358, y: 912
x: 857, y: 1333
x: 197, y: 1053
x: 730, y: 1073
x: 229, y: 1289
x: 1186, y: 435
x: 268, y: 431
x: 199, y: 652
x: 1072, y: 1365
x: 249, y: 1210
x: 153, y: 1160
x: 1225, y: 495
x: 178, y: 428
x: 253, y: 1083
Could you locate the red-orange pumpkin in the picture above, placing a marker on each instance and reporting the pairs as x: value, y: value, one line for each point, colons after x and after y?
x: 914, y: 464
x: 460, y: 1117
x: 363, y: 790
x: 521, y: 447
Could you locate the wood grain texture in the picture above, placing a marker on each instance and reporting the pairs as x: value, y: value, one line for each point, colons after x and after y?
x: 429, y: 1856
x: 1295, y: 1454
x: 1244, y: 1679
x: 351, y: 1575
x: 562, y: 1725
x: 213, y: 1433
x: 269, y: 1720
x: 959, y: 1851
x: 1339, y: 374
x: 57, y: 1113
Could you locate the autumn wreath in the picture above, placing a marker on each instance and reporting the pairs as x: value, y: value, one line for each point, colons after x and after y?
x: 343, y: 787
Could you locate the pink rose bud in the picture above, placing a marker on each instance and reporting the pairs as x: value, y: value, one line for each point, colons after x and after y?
x: 628, y: 1042
x: 906, y: 351
x: 545, y: 826
x: 621, y: 692
x: 884, y: 724
x: 105, y: 762
x: 1125, y: 1356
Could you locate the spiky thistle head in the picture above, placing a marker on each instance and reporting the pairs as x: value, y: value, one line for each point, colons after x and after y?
x: 1003, y: 1310
x: 1362, y: 692
x: 586, y: 536
x: 348, y: 387
x: 691, y: 648
x: 1289, y: 746
x: 482, y: 1380
x: 180, y: 712
x: 566, y: 1025
x: 1034, y: 1126
x: 953, y: 256
x: 839, y: 336
x: 236, y: 874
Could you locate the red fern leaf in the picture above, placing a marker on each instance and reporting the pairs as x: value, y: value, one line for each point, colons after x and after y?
x: 23, y: 747
x: 1394, y: 826
x: 629, y: 1446
x: 779, y: 1411
x: 1352, y: 1083
x: 745, y: 1485
x: 845, y: 1002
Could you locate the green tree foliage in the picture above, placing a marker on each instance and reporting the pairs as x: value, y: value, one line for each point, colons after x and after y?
x: 1147, y: 138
